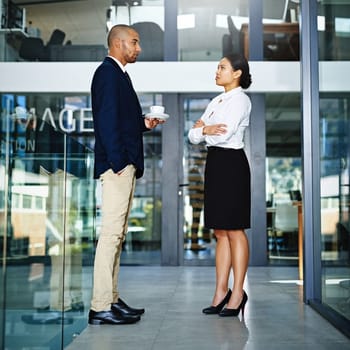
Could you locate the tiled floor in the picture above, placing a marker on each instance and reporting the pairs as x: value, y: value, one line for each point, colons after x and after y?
x: 275, y: 316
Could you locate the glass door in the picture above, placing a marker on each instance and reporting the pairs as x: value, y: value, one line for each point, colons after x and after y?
x: 334, y: 183
x: 198, y: 241
x: 283, y: 179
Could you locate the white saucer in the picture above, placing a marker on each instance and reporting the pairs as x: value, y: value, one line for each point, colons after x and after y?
x: 157, y: 115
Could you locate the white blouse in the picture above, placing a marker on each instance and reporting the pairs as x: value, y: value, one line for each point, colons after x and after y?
x: 231, y: 108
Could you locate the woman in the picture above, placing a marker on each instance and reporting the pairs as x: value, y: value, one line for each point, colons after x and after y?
x: 227, y: 181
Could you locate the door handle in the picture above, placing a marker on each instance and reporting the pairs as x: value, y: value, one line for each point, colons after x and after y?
x: 181, y: 186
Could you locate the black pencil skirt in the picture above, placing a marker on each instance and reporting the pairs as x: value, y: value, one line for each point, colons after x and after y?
x: 227, y: 189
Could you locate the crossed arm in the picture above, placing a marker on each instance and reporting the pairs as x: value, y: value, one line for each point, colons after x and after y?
x: 215, y: 129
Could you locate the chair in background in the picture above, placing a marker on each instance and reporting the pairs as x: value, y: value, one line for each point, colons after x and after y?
x: 231, y: 43
x: 227, y: 45
x: 152, y: 41
x: 33, y: 49
x: 286, y: 227
x: 56, y: 38
x: 295, y: 195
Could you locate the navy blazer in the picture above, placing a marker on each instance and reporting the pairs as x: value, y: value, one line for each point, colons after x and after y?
x: 118, y: 120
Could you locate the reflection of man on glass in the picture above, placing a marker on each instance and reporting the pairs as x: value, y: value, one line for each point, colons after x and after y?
x: 64, y: 248
x: 118, y: 126
x: 64, y: 244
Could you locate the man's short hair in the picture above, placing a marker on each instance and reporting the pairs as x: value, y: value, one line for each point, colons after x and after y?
x: 116, y: 31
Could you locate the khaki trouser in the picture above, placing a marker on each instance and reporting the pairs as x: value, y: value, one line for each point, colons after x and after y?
x: 117, y: 195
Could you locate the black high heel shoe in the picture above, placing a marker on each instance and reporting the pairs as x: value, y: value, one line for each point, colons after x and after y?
x: 226, y: 312
x: 211, y: 310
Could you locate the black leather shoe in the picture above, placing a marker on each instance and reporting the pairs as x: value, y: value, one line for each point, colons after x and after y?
x: 211, y: 310
x: 110, y: 317
x: 125, y: 310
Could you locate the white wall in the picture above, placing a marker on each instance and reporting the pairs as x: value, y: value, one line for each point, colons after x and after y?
x: 163, y: 77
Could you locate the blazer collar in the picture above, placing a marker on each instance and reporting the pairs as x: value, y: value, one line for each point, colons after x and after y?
x: 114, y: 62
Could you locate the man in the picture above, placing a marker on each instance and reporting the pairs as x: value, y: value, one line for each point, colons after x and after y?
x: 118, y: 126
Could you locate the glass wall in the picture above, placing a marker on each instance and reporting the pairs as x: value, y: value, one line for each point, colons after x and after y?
x: 207, y: 32
x: 335, y: 201
x: 333, y: 30
x: 334, y: 126
x: 72, y: 114
x: 280, y: 30
x: 49, y: 221
x: 283, y: 177
x: 76, y: 30
x: 47, y: 230
x: 199, y: 242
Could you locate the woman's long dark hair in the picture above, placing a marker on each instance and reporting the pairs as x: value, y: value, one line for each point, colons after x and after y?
x: 239, y: 62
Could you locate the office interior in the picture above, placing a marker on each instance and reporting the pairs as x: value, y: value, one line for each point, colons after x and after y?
x: 297, y: 146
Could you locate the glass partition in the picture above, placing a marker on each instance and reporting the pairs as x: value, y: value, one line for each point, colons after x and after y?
x: 72, y: 114
x: 333, y: 24
x: 280, y: 30
x: 49, y: 215
x: 76, y: 30
x: 334, y: 118
x: 47, y: 230
x: 199, y: 241
x: 335, y: 202
x: 283, y: 177
x: 207, y: 32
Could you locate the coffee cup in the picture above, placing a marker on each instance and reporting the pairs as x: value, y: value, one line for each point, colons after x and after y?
x: 156, y: 110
